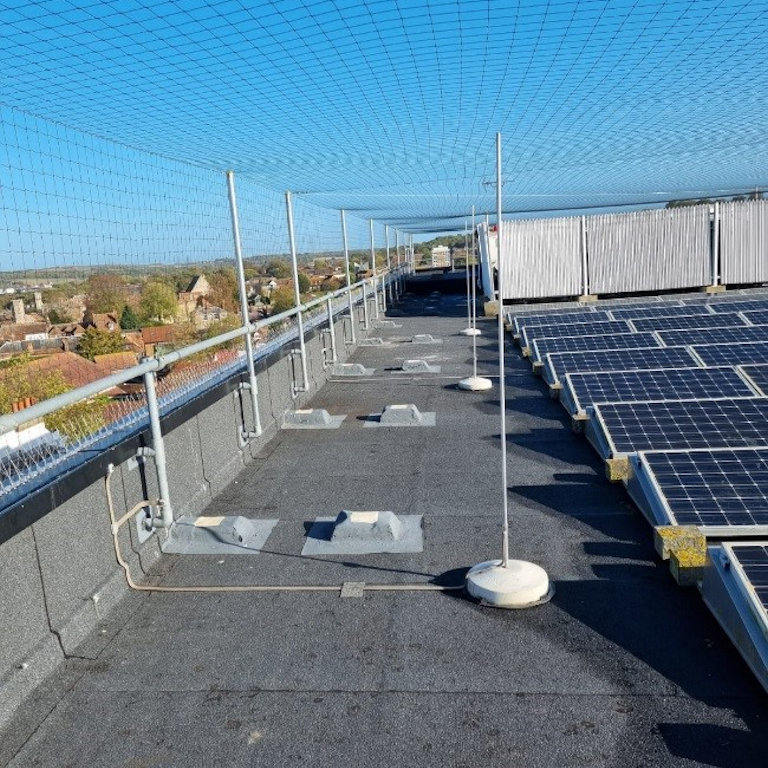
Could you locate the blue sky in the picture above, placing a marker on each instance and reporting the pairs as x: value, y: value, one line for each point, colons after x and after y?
x: 388, y: 109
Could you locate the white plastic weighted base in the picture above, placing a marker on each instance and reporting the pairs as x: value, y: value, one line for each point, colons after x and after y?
x: 475, y: 384
x: 518, y: 585
x: 471, y: 332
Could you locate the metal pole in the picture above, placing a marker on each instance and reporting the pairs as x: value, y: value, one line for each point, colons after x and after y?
x: 502, y: 381
x: 474, y: 299
x: 158, y: 446
x: 716, y: 246
x: 375, y: 281
x: 366, y: 316
x: 331, y: 330
x: 466, y: 269
x: 252, y: 385
x: 349, y: 277
x: 388, y: 284
x: 584, y: 266
x: 297, y: 293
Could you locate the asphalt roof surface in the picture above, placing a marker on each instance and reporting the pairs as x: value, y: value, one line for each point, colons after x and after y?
x: 621, y: 668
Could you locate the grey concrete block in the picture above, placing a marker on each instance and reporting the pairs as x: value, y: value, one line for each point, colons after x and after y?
x: 419, y: 366
x: 425, y: 338
x: 373, y: 341
x: 311, y: 418
x: 345, y: 535
x: 219, y: 535
x: 351, y: 369
x: 405, y: 415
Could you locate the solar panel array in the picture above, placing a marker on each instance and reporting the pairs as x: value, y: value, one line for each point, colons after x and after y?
x: 718, y: 490
x: 758, y: 376
x: 691, y: 415
x: 532, y: 332
x: 732, y: 354
x: 687, y: 322
x: 558, y: 364
x: 715, y: 335
x: 542, y: 347
x: 555, y: 317
x: 752, y: 560
x: 584, y: 389
x: 678, y: 424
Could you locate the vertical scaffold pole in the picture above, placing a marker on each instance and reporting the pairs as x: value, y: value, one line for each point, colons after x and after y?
x: 252, y: 385
x: 297, y: 293
x: 349, y: 276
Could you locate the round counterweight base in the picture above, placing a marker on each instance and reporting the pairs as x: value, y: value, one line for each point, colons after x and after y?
x: 475, y: 384
x: 518, y: 585
x: 471, y: 332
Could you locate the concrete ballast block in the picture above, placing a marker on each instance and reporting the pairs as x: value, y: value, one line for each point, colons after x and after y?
x: 401, y: 414
x: 350, y: 369
x: 366, y: 526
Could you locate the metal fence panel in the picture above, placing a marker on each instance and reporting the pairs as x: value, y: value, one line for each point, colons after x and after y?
x: 649, y: 250
x: 744, y: 242
x: 542, y: 258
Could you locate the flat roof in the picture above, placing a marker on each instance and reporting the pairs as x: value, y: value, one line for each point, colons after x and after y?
x: 621, y: 668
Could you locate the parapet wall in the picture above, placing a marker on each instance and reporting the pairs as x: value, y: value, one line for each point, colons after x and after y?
x: 58, y: 571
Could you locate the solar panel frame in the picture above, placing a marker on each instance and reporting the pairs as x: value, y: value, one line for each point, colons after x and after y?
x: 748, y: 561
x: 740, y: 354
x: 545, y: 346
x: 756, y: 375
x: 666, y: 311
x: 756, y: 316
x: 640, y: 358
x: 619, y: 429
x: 651, y: 484
x: 725, y: 381
x: 688, y: 322
x: 730, y: 335
x: 530, y: 333
x: 739, y: 305
x: 518, y: 322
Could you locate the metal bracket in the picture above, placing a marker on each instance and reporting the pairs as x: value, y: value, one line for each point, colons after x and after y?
x: 137, y: 459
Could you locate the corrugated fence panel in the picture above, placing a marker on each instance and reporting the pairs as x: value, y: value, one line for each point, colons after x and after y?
x: 649, y: 250
x: 744, y: 242
x: 542, y: 258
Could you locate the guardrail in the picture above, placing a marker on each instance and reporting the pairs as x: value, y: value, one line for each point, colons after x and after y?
x: 24, y: 469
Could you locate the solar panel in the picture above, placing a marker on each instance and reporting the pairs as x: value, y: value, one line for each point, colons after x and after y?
x: 624, y: 428
x: 687, y: 322
x: 731, y: 335
x: 723, y: 491
x: 665, y: 311
x: 569, y: 329
x: 558, y: 364
x: 757, y: 316
x: 758, y: 376
x: 750, y: 560
x: 581, y: 390
x: 518, y: 322
x: 739, y: 305
x: 544, y: 346
x: 732, y: 354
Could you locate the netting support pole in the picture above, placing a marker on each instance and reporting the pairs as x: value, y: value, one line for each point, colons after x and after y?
x: 388, y: 284
x: 349, y: 276
x: 502, y: 379
x: 584, y: 264
x: 375, y: 276
x: 716, y: 246
x: 252, y: 385
x: 158, y: 447
x: 297, y: 295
